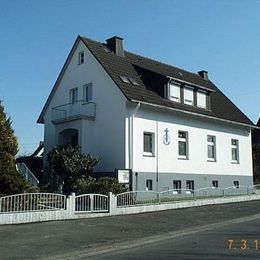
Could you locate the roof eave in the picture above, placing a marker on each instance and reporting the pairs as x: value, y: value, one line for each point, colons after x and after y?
x: 195, y: 114
x: 40, y: 119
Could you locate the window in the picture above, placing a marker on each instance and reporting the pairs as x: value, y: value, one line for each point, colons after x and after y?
x: 174, y: 92
x: 148, y: 143
x: 125, y: 79
x: 133, y: 81
x: 234, y: 151
x: 183, y: 144
x: 81, y: 58
x: 177, y: 186
x: 149, y: 184
x: 214, y: 184
x: 73, y: 95
x: 190, y: 185
x: 201, y: 99
x: 236, y: 184
x: 211, y: 148
x: 188, y: 96
x: 88, y: 92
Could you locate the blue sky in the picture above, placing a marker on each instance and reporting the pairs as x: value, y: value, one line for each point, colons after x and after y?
x: 222, y: 37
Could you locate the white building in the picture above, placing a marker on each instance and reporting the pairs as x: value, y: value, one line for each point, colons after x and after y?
x: 171, y: 127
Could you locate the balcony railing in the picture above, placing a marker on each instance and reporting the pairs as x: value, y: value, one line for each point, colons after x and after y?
x: 73, y: 111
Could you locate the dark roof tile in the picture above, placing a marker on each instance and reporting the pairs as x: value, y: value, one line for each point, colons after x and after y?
x: 145, y: 71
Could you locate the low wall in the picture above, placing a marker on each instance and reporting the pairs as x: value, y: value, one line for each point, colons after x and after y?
x: 70, y: 213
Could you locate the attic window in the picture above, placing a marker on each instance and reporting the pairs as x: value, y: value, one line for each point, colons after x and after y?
x: 133, y: 81
x: 129, y: 80
x: 81, y: 58
x: 125, y: 79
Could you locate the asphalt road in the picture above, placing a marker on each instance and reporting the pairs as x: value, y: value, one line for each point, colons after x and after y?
x: 233, y: 241
x: 191, y: 233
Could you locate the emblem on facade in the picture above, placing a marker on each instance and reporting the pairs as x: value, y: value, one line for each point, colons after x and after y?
x: 166, y: 137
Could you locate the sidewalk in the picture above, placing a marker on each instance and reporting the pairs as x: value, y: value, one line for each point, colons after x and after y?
x: 51, y: 239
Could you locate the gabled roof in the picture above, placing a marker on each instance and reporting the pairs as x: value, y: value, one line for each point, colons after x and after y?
x: 151, y: 77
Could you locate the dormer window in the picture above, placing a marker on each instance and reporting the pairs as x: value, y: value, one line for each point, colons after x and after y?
x: 188, y: 96
x: 201, y: 99
x: 81, y: 58
x: 175, y: 92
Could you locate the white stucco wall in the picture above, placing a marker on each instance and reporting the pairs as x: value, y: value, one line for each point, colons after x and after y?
x: 166, y: 156
x: 103, y: 136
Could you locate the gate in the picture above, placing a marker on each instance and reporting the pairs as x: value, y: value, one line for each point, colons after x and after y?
x: 91, y: 203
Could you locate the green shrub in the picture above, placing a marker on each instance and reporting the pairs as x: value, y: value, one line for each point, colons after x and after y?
x: 103, y: 185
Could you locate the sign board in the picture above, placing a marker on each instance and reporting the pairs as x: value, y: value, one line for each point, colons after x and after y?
x: 123, y: 176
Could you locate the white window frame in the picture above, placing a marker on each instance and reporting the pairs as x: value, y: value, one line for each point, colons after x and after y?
x: 186, y: 140
x: 212, y: 144
x: 151, y: 153
x: 149, y: 184
x: 214, y: 184
x: 81, y: 57
x: 173, y: 89
x: 202, y: 94
x: 236, y: 184
x: 187, y: 101
x: 177, y: 189
x: 72, y: 97
x: 190, y: 183
x: 236, y: 147
x: 88, y: 89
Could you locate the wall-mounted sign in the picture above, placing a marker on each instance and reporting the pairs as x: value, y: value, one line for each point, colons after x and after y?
x: 123, y: 176
x: 166, y: 137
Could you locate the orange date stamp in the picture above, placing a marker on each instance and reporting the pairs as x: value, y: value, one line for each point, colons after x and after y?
x: 243, y: 244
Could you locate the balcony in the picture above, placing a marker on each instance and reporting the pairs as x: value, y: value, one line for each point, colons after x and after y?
x: 74, y: 111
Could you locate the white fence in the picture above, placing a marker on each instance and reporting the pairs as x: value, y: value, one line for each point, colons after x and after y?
x: 32, y: 202
x: 36, y: 207
x: 134, y: 198
x: 91, y: 203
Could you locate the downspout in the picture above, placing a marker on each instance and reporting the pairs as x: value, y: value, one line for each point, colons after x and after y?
x: 131, y: 141
x: 157, y: 159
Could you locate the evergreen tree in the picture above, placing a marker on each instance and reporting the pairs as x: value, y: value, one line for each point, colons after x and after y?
x: 10, y: 180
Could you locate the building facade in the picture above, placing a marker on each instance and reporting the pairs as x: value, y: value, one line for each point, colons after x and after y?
x: 172, y: 128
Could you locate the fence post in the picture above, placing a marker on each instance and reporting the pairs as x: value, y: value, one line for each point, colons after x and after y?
x: 194, y: 194
x: 224, y: 192
x: 159, y: 197
x: 112, y: 204
x: 71, y: 206
x: 91, y: 202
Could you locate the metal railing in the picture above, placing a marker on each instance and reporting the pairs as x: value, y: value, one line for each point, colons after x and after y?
x: 91, y: 203
x: 32, y: 202
x: 134, y: 198
x: 176, y: 194
x: 72, y: 110
x: 27, y: 174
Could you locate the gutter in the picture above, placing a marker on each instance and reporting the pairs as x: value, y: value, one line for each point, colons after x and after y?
x: 193, y: 113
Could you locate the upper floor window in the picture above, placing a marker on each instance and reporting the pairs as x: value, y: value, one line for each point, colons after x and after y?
x: 201, y: 99
x: 188, y: 96
x: 183, y: 144
x: 234, y: 150
x: 73, y: 95
x: 175, y: 92
x: 81, y: 58
x: 211, y: 147
x: 88, y: 89
x: 148, y: 148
